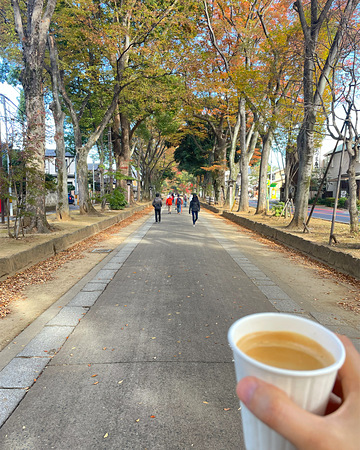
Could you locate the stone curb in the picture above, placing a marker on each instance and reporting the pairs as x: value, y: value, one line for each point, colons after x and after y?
x: 343, y: 262
x: 22, y: 260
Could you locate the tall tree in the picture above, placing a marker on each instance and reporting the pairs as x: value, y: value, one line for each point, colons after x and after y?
x: 128, y: 37
x: 154, y: 150
x: 345, y: 94
x: 32, y: 26
x: 62, y: 205
x: 314, y: 17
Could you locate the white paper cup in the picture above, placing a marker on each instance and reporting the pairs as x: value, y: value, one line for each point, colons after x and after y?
x: 310, y: 389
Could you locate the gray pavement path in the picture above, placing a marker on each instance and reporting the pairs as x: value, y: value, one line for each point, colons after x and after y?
x: 137, y: 356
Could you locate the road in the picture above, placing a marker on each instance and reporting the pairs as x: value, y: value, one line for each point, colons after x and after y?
x: 321, y: 212
x: 138, y: 357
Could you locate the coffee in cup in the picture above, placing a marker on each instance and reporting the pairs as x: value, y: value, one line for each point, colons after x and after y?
x: 285, y: 349
x: 308, y: 388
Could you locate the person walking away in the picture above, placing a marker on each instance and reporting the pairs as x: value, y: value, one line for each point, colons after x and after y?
x: 185, y: 201
x: 169, y: 202
x: 157, y: 204
x: 194, y: 208
x: 178, y: 204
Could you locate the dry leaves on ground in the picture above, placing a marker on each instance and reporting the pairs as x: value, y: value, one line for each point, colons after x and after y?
x: 12, y: 288
x: 323, y: 270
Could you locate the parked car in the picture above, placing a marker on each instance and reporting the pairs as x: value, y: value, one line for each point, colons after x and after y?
x: 71, y: 199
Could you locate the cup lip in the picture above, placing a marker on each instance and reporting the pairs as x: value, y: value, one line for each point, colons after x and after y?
x: 288, y: 372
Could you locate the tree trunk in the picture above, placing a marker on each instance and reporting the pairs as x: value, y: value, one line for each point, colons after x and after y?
x: 247, y: 147
x: 101, y: 166
x: 234, y: 167
x: 62, y: 205
x: 314, y: 88
x: 291, y: 163
x: 86, y: 207
x: 265, y: 154
x: 32, y: 40
x: 125, y: 156
x: 353, y: 211
x: 244, y: 165
x: 35, y: 148
x: 116, y: 140
x: 244, y: 162
x: 219, y: 174
x: 305, y: 146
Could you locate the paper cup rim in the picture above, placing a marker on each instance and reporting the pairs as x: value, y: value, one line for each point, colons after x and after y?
x: 286, y: 372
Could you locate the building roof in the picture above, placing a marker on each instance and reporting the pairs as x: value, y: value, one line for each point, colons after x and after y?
x: 338, y: 150
x: 49, y: 153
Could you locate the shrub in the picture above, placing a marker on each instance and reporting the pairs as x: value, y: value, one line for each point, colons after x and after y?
x: 342, y: 202
x: 330, y: 201
x: 116, y: 199
x: 277, y: 208
x: 320, y: 201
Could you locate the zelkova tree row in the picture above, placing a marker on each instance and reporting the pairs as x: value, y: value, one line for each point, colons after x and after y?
x: 274, y: 64
x: 223, y: 79
x: 103, y: 60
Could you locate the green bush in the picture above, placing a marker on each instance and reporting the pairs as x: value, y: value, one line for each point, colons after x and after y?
x: 116, y: 199
x: 341, y: 202
x: 277, y: 208
x: 320, y: 201
x: 330, y: 201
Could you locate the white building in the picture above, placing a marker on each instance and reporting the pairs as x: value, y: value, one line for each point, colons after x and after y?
x: 333, y: 173
x: 51, y: 167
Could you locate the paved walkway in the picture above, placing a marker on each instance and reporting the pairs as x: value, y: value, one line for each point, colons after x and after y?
x: 136, y: 356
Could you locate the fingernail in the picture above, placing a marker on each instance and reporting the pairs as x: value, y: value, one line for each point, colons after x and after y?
x: 247, y: 388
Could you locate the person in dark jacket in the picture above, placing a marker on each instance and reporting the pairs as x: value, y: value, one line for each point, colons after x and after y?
x: 157, y: 204
x: 194, y: 208
x: 178, y: 203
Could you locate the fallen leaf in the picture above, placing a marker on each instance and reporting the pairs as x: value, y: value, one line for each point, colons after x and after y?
x: 95, y: 375
x: 206, y: 403
x: 106, y: 435
x: 137, y: 420
x: 226, y: 409
x: 96, y: 382
x: 152, y: 417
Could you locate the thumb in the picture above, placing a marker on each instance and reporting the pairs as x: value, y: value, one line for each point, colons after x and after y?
x: 273, y: 407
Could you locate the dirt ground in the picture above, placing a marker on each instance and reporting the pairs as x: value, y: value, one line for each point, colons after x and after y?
x: 319, y: 231
x: 24, y: 296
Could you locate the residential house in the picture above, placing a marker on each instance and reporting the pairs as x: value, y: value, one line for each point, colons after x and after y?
x: 51, y: 167
x: 333, y: 173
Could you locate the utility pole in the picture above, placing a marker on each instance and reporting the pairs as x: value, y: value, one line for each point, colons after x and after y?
x: 2, y: 203
x: 7, y: 156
